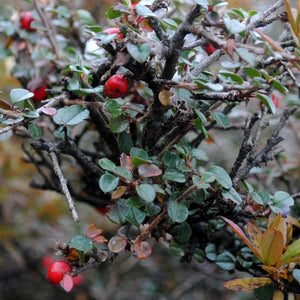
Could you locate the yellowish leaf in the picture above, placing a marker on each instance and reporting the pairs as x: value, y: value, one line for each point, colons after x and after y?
x: 255, y: 235
x: 274, y: 44
x: 291, y: 17
x: 276, y: 272
x: 272, y: 244
x: 242, y: 235
x: 118, y: 193
x: 164, y: 97
x: 246, y: 284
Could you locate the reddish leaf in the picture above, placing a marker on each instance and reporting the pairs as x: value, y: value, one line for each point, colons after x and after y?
x: 255, y: 235
x: 230, y: 46
x: 118, y: 193
x: 50, y: 111
x: 4, y: 105
x: 116, y: 244
x: 246, y: 284
x: 126, y: 162
x: 242, y: 235
x: 146, y: 170
x: 67, y: 282
x: 93, y: 231
x: 100, y: 239
x: 272, y: 244
x: 141, y: 250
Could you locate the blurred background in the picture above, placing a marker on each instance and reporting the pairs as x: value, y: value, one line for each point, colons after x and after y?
x: 32, y: 221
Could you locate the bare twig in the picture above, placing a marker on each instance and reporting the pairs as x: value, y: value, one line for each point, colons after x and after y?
x: 63, y: 183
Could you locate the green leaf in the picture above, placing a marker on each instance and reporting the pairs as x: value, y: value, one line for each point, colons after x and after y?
x: 199, y: 255
x: 233, y: 25
x: 144, y: 11
x: 265, y: 292
x: 176, y: 249
x: 135, y: 201
x: 293, y: 250
x: 210, y: 251
x: 113, y: 107
x: 266, y: 100
x: 108, y: 182
x: 125, y: 142
x: 31, y: 114
x: 119, y: 124
x: 232, y: 75
x: 296, y: 274
x: 169, y: 158
x: 135, y: 216
x: 106, y: 164
x: 225, y: 261
x: 252, y: 72
x: 261, y: 198
x: 199, y: 154
x: 117, y: 212
x: 279, y: 86
x: 283, y: 198
x: 81, y: 243
x: 233, y: 195
x: 247, y: 56
x: 221, y: 176
x: 221, y: 119
x: 151, y: 209
x: 140, y: 52
x: 74, y: 84
x: 173, y: 175
x: 35, y: 131
x: 146, y: 192
x: 71, y: 115
x: 178, y: 212
x: 113, y: 14
x: 208, y: 177
x: 123, y: 172
x: 182, y: 233
x: 18, y: 95
x: 139, y: 156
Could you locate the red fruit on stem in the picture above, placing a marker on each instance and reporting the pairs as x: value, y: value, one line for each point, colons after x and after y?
x: 26, y: 20
x: 210, y: 49
x: 116, y: 86
x: 38, y: 88
x: 57, y: 271
x: 113, y: 31
x: 77, y: 280
x: 103, y: 211
x: 275, y: 100
x: 47, y: 261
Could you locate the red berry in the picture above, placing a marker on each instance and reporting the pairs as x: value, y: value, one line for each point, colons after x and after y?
x: 77, y: 280
x: 26, y: 20
x: 275, y: 100
x: 38, y: 88
x: 116, y: 86
x: 103, y: 211
x: 210, y: 49
x: 114, y: 30
x: 57, y: 271
x: 47, y: 261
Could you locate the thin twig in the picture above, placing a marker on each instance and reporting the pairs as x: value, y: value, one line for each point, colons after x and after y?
x: 63, y: 183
